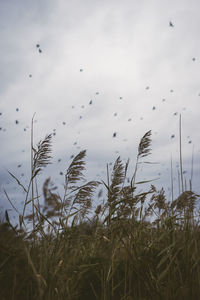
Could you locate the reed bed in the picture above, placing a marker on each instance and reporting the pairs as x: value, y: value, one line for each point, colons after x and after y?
x: 131, y: 246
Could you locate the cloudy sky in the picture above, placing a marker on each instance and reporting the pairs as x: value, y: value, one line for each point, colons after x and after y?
x: 89, y: 69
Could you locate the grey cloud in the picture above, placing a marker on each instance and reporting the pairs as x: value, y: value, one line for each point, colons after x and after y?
x: 121, y: 47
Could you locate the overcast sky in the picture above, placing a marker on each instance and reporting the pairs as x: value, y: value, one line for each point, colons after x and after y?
x: 101, y: 67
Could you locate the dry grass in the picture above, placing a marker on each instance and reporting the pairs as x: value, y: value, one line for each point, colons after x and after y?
x: 138, y: 246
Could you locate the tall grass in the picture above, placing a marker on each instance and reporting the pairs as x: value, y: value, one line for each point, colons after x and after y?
x: 133, y: 245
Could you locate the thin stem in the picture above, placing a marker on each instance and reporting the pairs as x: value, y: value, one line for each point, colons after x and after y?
x: 37, y: 197
x: 135, y: 171
x: 172, y: 185
x: 108, y: 181
x: 180, y: 151
x: 179, y: 187
x: 11, y: 202
x: 192, y: 163
x: 32, y: 170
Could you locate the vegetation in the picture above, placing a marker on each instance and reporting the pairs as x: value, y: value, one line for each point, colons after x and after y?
x: 133, y: 245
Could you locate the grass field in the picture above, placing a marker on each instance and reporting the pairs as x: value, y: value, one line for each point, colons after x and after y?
x: 139, y: 246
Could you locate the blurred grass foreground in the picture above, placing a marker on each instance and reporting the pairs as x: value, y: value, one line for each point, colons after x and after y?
x: 131, y: 246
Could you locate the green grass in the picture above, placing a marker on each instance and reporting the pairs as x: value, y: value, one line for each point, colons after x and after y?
x: 138, y: 246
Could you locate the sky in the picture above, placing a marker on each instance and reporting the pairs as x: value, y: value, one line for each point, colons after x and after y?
x: 89, y: 69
